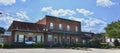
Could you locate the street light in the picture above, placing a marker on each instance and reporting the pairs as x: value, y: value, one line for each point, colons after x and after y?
x: 0, y: 13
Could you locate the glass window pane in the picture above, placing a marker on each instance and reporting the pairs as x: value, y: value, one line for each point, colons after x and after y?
x: 49, y: 37
x: 20, y: 38
x: 39, y: 38
x: 60, y: 26
x: 68, y: 27
x: 51, y: 25
x: 76, y: 29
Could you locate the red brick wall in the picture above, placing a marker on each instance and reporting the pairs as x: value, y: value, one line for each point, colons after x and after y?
x: 43, y: 21
x: 7, y: 39
x: 57, y: 21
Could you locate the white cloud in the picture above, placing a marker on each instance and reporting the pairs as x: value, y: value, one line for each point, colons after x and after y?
x: 59, y: 12
x: 23, y: 0
x: 84, y: 12
x: 7, y: 2
x: 76, y: 19
x: 91, y: 24
x: 7, y: 20
x: 105, y: 3
x: 22, y: 14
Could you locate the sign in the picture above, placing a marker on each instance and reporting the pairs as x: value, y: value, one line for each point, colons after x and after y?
x: 7, y: 33
x: 30, y: 42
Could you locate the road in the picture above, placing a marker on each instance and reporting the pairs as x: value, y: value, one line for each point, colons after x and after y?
x: 55, y: 50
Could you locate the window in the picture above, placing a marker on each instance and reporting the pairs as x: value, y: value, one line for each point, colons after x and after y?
x: 15, y: 38
x: 51, y: 25
x: 39, y: 38
x: 68, y: 27
x: 68, y: 41
x: 59, y: 39
x: 49, y: 37
x: 76, y: 40
x: 76, y: 28
x: 60, y: 26
x: 84, y: 42
x: 20, y: 38
x: 55, y: 39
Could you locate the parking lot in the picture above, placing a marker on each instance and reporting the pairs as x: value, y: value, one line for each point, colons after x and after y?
x: 56, y: 50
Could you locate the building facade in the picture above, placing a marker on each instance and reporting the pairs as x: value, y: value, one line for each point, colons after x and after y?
x: 50, y: 31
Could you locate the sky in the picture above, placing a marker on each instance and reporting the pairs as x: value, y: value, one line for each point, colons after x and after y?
x: 94, y: 15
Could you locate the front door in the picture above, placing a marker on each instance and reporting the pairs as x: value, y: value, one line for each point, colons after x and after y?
x: 50, y: 40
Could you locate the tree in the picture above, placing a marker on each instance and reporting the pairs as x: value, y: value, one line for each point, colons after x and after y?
x: 94, y: 42
x: 113, y: 30
x: 2, y: 30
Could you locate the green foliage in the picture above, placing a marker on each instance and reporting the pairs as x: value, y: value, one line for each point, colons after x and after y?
x: 57, y: 45
x: 2, y: 30
x: 1, y: 45
x: 35, y: 45
x: 94, y: 42
x: 38, y: 45
x: 113, y: 30
x: 104, y: 45
x: 8, y: 46
x: 118, y: 47
x: 78, y: 45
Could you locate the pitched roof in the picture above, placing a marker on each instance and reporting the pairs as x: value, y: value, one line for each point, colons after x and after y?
x: 26, y: 26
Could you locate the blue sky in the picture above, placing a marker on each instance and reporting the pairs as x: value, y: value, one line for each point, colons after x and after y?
x: 93, y: 14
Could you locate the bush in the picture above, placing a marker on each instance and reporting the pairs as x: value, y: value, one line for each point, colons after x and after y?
x: 57, y: 45
x: 78, y: 45
x: 38, y: 45
x: 35, y: 45
x: 7, y: 46
x: 95, y: 43
x: 1, y: 45
x: 106, y: 47
x: 118, y: 47
x: 103, y: 45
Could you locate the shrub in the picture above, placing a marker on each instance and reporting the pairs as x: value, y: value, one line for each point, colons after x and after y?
x: 118, y: 46
x: 17, y: 46
x: 1, y: 45
x: 57, y: 45
x: 103, y: 44
x: 95, y: 43
x: 106, y: 47
x: 78, y: 45
x: 38, y: 45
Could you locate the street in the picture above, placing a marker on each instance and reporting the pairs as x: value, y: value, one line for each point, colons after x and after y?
x: 56, y: 50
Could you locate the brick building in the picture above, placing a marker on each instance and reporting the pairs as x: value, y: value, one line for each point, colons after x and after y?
x: 50, y: 31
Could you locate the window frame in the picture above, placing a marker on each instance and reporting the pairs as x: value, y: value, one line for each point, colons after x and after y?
x: 76, y: 28
x: 51, y: 25
x: 68, y: 27
x: 60, y: 26
x: 20, y: 40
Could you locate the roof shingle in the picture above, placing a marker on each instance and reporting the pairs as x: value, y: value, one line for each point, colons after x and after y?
x: 25, y: 26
